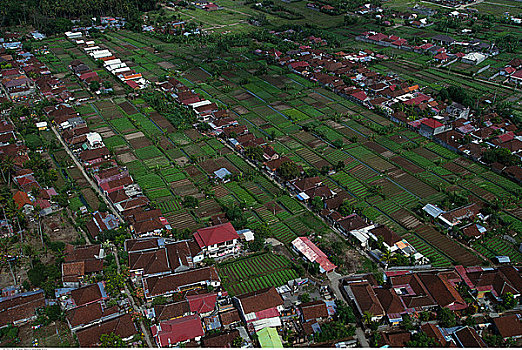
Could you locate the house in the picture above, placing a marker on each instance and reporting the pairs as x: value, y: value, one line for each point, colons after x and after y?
x: 261, y: 308
x: 454, y: 217
x: 473, y: 58
x: 169, y: 284
x: 352, y: 222
x: 473, y: 230
x: 101, y: 222
x: 430, y: 127
x: 149, y: 263
x: 365, y: 300
x: 433, y: 331
x: 458, y: 111
x: 21, y: 307
x: 394, y: 339
x: 94, y: 156
x: 313, y: 311
x: 122, y: 326
x: 269, y: 338
x: 467, y: 337
x: 74, y: 271
x: 180, y: 330
x: 305, y: 184
x: 202, y: 304
x: 312, y: 253
x: 443, y: 40
x: 86, y: 315
x: 170, y: 311
x: 221, y: 340
x: 85, y: 295
x: 229, y: 318
x: 147, y: 223
x: 443, y: 291
x: 357, y: 229
x: 509, y: 326
x: 389, y: 237
x: 22, y: 200
x: 498, y: 282
x: 223, y: 174
x: 184, y: 255
x: 218, y: 241
x: 392, y: 304
x: 413, y: 293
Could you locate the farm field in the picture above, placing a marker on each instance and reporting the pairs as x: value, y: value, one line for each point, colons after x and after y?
x: 408, y: 178
x: 389, y: 178
x: 256, y: 272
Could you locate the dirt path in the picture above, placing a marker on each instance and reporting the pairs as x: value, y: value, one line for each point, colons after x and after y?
x: 87, y: 177
x: 150, y: 344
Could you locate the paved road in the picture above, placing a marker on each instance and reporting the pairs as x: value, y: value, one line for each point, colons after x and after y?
x: 150, y: 344
x: 335, y: 280
x: 87, y: 177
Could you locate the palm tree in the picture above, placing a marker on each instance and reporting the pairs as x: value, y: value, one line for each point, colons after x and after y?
x: 367, y: 317
x: 387, y: 257
x: 38, y: 218
x: 7, y: 167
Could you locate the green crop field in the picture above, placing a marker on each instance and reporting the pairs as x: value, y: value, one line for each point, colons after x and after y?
x: 256, y: 272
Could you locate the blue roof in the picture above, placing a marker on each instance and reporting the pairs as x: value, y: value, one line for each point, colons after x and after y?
x: 503, y: 259
x: 432, y: 210
x: 222, y: 173
x: 316, y: 327
x: 102, y: 290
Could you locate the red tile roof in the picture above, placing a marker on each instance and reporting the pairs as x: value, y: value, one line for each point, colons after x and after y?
x: 122, y: 326
x: 509, y: 325
x: 260, y: 300
x: 432, y: 123
x: 21, y: 199
x: 209, y: 236
x: 202, y: 303
x: 171, y: 332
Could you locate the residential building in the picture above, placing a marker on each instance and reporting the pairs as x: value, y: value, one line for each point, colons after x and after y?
x: 261, y: 308
x: 312, y: 253
x: 180, y: 330
x: 169, y: 284
x: 21, y: 307
x: 218, y: 241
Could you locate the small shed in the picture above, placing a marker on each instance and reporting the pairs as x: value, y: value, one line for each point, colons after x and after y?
x: 223, y: 174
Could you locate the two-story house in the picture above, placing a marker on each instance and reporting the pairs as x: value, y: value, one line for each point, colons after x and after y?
x: 218, y: 241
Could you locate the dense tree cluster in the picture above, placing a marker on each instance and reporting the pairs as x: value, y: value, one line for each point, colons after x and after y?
x: 53, y: 16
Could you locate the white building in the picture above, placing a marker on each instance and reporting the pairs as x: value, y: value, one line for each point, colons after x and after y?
x: 473, y: 58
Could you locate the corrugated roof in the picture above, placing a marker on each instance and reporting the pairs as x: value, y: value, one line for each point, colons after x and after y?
x: 313, y: 253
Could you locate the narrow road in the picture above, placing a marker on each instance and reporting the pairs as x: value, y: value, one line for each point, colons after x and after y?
x: 87, y: 177
x: 335, y: 280
x: 150, y: 344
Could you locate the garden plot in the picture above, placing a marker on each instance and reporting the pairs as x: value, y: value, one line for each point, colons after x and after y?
x: 104, y: 131
x: 256, y: 272
x: 407, y: 165
x: 184, y: 188
x: 126, y: 157
x: 207, y: 208
x: 497, y: 247
x: 212, y: 165
x: 182, y: 220
x: 128, y: 108
x: 140, y: 142
x: 451, y: 248
x: 123, y: 125
x: 412, y: 184
x: 437, y: 259
x: 162, y: 122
